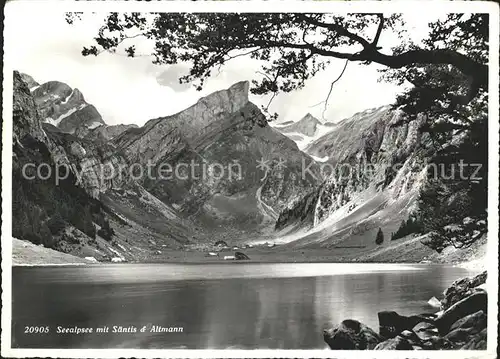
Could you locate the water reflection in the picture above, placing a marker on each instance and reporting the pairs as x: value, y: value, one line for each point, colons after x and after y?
x: 228, y: 306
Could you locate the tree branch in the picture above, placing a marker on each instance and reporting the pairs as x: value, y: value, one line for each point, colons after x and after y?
x: 469, y: 67
x: 379, y: 30
x: 341, y: 30
x: 330, y: 91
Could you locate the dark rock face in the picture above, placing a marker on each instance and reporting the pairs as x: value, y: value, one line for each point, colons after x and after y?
x: 85, y: 116
x: 351, y: 335
x: 240, y: 256
x: 425, y: 331
x: 391, y: 323
x: 477, y: 342
x: 300, y: 214
x: 469, y: 305
x: 462, y: 288
x: 397, y: 343
x: 45, y: 212
x: 476, y: 320
x: 468, y: 331
x: 24, y: 112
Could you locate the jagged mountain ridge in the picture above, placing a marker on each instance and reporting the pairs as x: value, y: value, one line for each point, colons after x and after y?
x: 103, y: 133
x: 69, y: 215
x: 337, y: 144
x: 304, y: 131
x: 226, y: 128
x: 223, y: 128
x: 66, y: 109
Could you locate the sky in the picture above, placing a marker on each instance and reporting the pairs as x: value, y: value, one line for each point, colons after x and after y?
x: 133, y: 90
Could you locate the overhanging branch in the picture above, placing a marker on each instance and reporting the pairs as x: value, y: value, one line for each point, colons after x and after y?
x: 341, y: 30
x: 379, y: 30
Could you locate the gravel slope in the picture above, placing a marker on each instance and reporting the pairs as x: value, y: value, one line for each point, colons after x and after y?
x: 26, y: 253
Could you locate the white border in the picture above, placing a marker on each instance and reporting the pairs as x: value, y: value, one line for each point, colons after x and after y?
x: 414, y: 7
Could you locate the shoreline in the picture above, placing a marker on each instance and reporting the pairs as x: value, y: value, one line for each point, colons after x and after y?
x: 26, y: 254
x: 464, y: 265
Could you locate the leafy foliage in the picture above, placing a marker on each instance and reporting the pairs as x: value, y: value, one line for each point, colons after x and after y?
x: 449, y: 217
x: 106, y: 231
x: 409, y: 226
x: 292, y: 47
x: 56, y: 223
x: 454, y: 107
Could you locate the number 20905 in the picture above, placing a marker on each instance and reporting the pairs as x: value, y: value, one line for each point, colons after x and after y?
x: 35, y: 330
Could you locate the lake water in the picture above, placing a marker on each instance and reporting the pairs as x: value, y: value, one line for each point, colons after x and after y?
x: 228, y: 305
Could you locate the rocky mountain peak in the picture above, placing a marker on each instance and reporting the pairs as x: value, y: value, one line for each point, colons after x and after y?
x: 63, y: 106
x: 310, y: 118
x: 229, y: 100
x: 77, y: 96
x: 307, y: 126
x: 30, y: 81
x: 208, y: 116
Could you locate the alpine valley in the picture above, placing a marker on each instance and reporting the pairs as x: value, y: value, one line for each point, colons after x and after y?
x: 289, y: 192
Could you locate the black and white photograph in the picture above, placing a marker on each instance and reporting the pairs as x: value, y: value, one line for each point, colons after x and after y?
x: 250, y: 179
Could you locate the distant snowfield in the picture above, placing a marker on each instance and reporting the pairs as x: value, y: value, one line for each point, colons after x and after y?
x: 302, y: 140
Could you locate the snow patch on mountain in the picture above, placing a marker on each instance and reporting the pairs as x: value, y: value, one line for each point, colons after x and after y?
x: 67, y: 98
x: 305, y: 131
x: 61, y: 117
x: 320, y: 159
x: 94, y: 125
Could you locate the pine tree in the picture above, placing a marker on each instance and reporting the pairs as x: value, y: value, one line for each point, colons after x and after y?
x: 380, y: 237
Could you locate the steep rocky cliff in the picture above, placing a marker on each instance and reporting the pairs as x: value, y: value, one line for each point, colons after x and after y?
x: 64, y: 194
x: 375, y: 168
